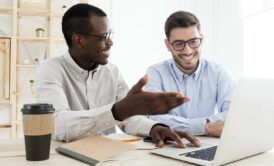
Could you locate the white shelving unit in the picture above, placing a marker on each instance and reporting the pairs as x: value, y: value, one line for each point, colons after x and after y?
x: 5, y: 55
x: 17, y: 12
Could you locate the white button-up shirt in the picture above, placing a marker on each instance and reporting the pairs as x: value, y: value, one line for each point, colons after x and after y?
x: 83, y: 99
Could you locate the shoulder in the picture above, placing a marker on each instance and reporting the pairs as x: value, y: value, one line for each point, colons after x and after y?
x: 51, y: 67
x: 51, y: 64
x: 211, y: 66
x: 216, y: 70
x: 161, y: 67
x: 109, y: 69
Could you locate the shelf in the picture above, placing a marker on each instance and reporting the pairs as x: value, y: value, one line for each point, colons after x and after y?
x: 26, y: 66
x: 4, y: 101
x: 2, y: 49
x: 5, y: 10
x: 19, y: 122
x: 32, y: 12
x: 57, y: 13
x: 33, y: 39
x: 59, y: 40
x: 5, y: 125
x: 25, y: 94
x: 44, y: 13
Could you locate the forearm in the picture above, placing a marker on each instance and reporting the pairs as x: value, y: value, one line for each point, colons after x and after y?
x: 72, y: 125
x: 218, y: 117
x: 137, y: 125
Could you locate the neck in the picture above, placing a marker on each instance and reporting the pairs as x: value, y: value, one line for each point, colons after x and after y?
x: 187, y: 71
x: 84, y: 64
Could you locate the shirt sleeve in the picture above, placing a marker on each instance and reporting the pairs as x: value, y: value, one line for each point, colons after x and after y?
x: 225, y: 88
x: 154, y: 80
x: 70, y: 125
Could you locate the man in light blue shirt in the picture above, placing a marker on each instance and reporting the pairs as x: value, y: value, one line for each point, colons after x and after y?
x: 208, y: 85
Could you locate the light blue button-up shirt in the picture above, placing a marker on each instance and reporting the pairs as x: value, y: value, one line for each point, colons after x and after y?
x: 209, y: 89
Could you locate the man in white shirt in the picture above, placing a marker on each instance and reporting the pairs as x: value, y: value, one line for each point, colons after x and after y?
x: 90, y: 96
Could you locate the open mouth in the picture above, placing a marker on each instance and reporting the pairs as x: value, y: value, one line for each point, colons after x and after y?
x: 188, y: 57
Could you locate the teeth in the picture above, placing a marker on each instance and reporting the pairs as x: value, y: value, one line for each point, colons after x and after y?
x: 188, y: 57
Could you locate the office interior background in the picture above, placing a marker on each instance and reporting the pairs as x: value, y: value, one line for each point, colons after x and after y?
x: 237, y: 34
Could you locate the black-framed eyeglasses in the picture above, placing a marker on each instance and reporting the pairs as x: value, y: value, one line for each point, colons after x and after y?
x: 179, y: 45
x: 105, y: 37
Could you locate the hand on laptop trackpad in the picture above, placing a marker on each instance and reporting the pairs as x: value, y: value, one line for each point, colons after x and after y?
x: 189, y: 145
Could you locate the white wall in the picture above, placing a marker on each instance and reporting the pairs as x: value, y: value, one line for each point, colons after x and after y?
x: 139, y: 33
x: 258, y: 25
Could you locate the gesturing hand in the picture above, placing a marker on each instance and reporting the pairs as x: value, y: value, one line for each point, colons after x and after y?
x: 139, y: 102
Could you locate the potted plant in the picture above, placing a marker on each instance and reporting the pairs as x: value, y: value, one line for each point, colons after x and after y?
x: 40, y: 32
x: 31, y: 85
x: 64, y: 7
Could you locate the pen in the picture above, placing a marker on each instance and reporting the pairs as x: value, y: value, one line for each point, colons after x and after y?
x: 132, y: 140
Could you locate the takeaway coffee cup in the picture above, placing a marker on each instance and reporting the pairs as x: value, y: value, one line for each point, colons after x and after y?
x: 37, y: 126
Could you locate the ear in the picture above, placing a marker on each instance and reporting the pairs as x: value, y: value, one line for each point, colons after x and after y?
x: 202, y: 37
x: 77, y: 41
x: 167, y: 45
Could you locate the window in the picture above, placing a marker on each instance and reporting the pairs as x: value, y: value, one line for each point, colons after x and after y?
x: 258, y: 36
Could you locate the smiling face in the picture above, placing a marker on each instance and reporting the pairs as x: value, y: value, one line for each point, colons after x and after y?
x: 97, y: 49
x: 92, y: 48
x: 187, y: 58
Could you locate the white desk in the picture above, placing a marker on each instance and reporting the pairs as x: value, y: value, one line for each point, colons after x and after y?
x: 12, y: 153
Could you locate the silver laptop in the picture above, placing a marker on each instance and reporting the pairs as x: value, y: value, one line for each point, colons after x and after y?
x: 248, y: 128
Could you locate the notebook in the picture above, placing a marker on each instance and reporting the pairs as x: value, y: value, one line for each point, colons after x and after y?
x: 94, y: 149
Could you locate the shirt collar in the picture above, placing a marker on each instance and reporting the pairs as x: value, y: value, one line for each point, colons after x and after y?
x: 182, y: 76
x: 75, y: 67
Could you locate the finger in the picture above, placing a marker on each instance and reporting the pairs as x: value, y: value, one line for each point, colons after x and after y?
x: 163, y: 96
x: 189, y: 137
x: 171, y: 95
x: 175, y: 137
x: 162, y: 103
x: 186, y: 99
x: 162, y: 107
x: 170, y: 104
x: 158, y: 140
x: 140, y: 84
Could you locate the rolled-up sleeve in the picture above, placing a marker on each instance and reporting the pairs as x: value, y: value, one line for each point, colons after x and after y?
x: 69, y: 124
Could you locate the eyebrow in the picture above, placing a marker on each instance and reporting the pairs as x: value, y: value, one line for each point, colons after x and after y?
x: 185, y: 40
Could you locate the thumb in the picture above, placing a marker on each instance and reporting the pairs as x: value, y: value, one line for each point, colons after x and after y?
x: 140, y: 84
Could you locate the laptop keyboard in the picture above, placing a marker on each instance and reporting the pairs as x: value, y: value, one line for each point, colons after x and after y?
x: 203, y: 154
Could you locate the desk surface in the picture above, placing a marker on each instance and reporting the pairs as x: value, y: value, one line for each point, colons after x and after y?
x: 12, y: 152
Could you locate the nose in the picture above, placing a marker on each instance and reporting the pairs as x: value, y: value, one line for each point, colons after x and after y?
x: 109, y: 42
x: 187, y: 49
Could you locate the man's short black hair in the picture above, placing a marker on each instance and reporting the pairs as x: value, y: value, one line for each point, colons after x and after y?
x: 181, y: 19
x: 77, y: 20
